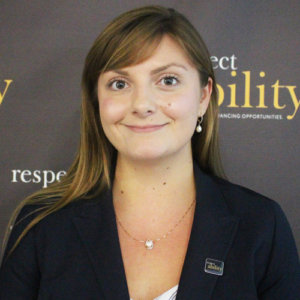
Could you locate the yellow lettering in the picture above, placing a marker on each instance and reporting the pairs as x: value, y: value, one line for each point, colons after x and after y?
x: 220, y: 94
x: 2, y: 95
x: 296, y: 102
x: 276, y: 87
x: 261, y: 89
x: 261, y: 93
x: 232, y: 92
x: 261, y: 96
x: 247, y: 89
x: 232, y: 95
x: 214, y: 267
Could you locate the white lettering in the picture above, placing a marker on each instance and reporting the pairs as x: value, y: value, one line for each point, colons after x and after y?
x: 45, y: 177
x: 25, y: 173
x: 46, y: 181
x: 233, y: 59
x: 214, y: 59
x: 221, y: 63
x: 15, y: 172
x: 224, y: 62
x: 37, y: 176
x: 59, y: 174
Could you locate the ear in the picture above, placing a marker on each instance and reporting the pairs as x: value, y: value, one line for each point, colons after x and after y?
x: 205, y: 97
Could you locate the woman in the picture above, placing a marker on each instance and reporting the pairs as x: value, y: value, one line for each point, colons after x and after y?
x: 143, y: 212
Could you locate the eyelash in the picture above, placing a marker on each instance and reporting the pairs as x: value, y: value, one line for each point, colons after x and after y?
x: 165, y: 76
x: 112, y: 81
x: 173, y: 76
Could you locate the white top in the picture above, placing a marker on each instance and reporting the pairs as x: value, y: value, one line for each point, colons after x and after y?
x: 168, y: 295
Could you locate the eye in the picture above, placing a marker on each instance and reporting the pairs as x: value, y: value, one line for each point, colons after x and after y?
x: 117, y: 84
x: 169, y: 80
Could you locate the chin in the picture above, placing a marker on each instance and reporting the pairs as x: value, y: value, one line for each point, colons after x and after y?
x: 147, y: 154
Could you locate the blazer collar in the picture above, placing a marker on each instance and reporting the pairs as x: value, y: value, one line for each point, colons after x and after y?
x: 211, y: 237
x: 212, y: 234
x: 96, y: 225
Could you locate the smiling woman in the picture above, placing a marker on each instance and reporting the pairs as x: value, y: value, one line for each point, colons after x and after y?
x: 161, y: 95
x: 143, y: 212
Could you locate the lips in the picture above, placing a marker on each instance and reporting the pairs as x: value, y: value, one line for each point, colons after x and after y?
x: 145, y: 128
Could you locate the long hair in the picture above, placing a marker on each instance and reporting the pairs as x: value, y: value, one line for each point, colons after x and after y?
x: 129, y: 39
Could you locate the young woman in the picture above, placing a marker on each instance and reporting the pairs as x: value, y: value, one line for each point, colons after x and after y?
x: 143, y: 212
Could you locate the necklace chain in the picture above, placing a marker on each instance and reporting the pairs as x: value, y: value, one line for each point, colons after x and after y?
x: 150, y: 243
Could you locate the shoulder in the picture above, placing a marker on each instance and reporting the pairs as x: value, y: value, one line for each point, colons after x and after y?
x: 64, y: 213
x: 265, y: 232
x: 50, y: 229
x: 242, y: 201
x: 53, y: 221
x: 260, y: 219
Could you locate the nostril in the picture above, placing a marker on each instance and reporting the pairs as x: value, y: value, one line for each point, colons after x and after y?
x: 144, y: 113
x: 142, y: 106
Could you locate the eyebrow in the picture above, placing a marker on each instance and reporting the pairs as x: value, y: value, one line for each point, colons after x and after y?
x: 155, y: 71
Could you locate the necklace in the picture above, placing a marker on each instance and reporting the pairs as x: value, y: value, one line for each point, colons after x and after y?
x: 149, y: 244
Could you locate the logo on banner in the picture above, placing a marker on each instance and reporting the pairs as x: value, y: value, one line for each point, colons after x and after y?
x: 44, y: 177
x: 3, y: 91
x: 256, y: 100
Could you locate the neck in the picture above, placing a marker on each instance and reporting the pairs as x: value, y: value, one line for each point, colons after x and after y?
x: 141, y: 186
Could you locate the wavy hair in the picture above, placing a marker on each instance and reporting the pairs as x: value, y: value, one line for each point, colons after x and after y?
x: 129, y: 39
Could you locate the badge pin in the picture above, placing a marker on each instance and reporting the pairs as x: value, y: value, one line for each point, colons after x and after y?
x: 213, y: 266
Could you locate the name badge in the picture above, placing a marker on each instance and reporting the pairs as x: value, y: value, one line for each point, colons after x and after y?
x: 213, y: 266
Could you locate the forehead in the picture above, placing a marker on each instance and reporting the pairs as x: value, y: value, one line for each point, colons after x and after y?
x: 169, y: 50
x: 165, y: 51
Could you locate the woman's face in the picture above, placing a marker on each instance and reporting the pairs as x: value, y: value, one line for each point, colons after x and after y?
x: 149, y: 110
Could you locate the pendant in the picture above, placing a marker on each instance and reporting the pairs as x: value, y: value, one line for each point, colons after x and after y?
x: 149, y: 244
x: 199, y: 128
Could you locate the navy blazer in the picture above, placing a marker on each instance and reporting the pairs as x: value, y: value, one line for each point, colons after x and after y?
x: 74, y: 254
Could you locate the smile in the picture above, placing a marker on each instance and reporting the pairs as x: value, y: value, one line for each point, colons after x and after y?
x: 149, y: 128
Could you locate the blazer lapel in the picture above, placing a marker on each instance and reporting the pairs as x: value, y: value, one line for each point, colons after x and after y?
x: 212, y: 234
x: 96, y: 226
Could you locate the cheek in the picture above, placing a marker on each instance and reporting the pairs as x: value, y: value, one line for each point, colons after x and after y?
x: 182, y: 106
x: 110, y: 110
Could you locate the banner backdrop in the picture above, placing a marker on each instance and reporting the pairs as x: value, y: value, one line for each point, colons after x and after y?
x: 254, y: 48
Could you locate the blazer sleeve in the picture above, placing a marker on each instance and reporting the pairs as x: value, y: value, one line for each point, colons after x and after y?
x: 19, y: 272
x: 282, y: 278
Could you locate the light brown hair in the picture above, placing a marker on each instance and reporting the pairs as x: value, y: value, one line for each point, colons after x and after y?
x: 129, y: 39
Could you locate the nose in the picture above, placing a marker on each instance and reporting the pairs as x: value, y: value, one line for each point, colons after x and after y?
x: 143, y: 102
